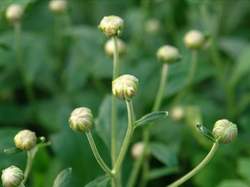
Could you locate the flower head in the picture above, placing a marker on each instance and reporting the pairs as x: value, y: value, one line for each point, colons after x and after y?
x: 12, y: 177
x: 81, y: 119
x: 194, y: 39
x: 57, y: 6
x: 152, y: 26
x: 125, y: 86
x: 137, y: 150
x: 110, y: 47
x: 14, y: 13
x: 168, y: 54
x: 111, y: 25
x: 25, y: 140
x: 225, y: 131
x: 177, y: 113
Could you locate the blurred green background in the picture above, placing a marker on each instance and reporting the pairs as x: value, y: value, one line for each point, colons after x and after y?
x: 65, y: 66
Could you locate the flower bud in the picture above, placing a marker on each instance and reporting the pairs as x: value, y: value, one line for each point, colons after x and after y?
x: 110, y: 47
x: 225, y: 131
x: 25, y: 140
x: 81, y: 119
x: 125, y: 86
x: 14, y: 13
x: 177, y: 113
x: 111, y: 25
x: 152, y: 26
x: 137, y: 150
x: 168, y: 54
x: 12, y: 177
x: 194, y: 39
x: 57, y: 6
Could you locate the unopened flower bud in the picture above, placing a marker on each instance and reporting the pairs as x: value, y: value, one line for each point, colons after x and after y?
x: 57, y: 6
x: 152, y: 26
x: 168, y: 54
x: 81, y: 119
x: 137, y: 150
x: 110, y: 47
x: 12, y: 177
x: 14, y: 13
x: 111, y: 25
x: 194, y: 39
x: 125, y: 86
x: 225, y: 131
x: 25, y: 140
x: 177, y: 113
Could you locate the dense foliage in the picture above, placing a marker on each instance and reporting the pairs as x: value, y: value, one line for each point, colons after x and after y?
x: 65, y: 66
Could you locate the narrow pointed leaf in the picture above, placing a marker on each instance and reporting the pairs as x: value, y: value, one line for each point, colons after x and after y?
x: 148, y: 118
x: 205, y: 132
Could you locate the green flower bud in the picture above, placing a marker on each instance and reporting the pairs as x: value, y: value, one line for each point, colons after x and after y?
x: 12, y: 177
x: 194, y: 39
x: 57, y: 6
x: 81, y: 119
x: 225, y: 131
x: 25, y: 140
x: 111, y: 25
x: 125, y: 86
x: 137, y: 150
x: 110, y: 47
x: 14, y: 13
x: 168, y: 54
x: 177, y: 113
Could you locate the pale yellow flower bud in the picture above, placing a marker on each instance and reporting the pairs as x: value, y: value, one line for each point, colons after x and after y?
x: 25, y: 140
x: 152, y: 26
x: 111, y: 25
x: 110, y: 47
x: 14, y: 13
x: 12, y: 177
x: 177, y: 113
x: 81, y: 119
x: 125, y: 86
x: 225, y: 131
x: 57, y: 6
x: 137, y: 150
x: 168, y: 54
x: 194, y: 39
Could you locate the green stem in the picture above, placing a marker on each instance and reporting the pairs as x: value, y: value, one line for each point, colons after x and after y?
x: 162, y: 86
x: 190, y: 77
x: 97, y: 154
x: 30, y: 157
x: 146, y: 134
x: 198, y: 168
x: 126, y: 141
x: 116, y: 70
x: 18, y: 50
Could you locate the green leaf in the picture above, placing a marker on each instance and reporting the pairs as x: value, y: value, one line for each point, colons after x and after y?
x: 164, y: 153
x: 241, y: 67
x: 103, y: 122
x: 243, y: 168
x: 148, y: 118
x: 232, y: 183
x: 63, y: 178
x: 99, y: 182
x: 161, y: 172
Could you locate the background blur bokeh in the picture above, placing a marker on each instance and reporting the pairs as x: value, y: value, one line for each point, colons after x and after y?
x: 65, y: 66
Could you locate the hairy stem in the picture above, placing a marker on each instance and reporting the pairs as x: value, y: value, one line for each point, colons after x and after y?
x: 198, y: 168
x: 116, y: 70
x: 126, y: 141
x: 30, y: 157
x: 97, y: 154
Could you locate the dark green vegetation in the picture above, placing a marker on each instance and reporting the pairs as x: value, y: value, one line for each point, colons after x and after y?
x: 65, y: 66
